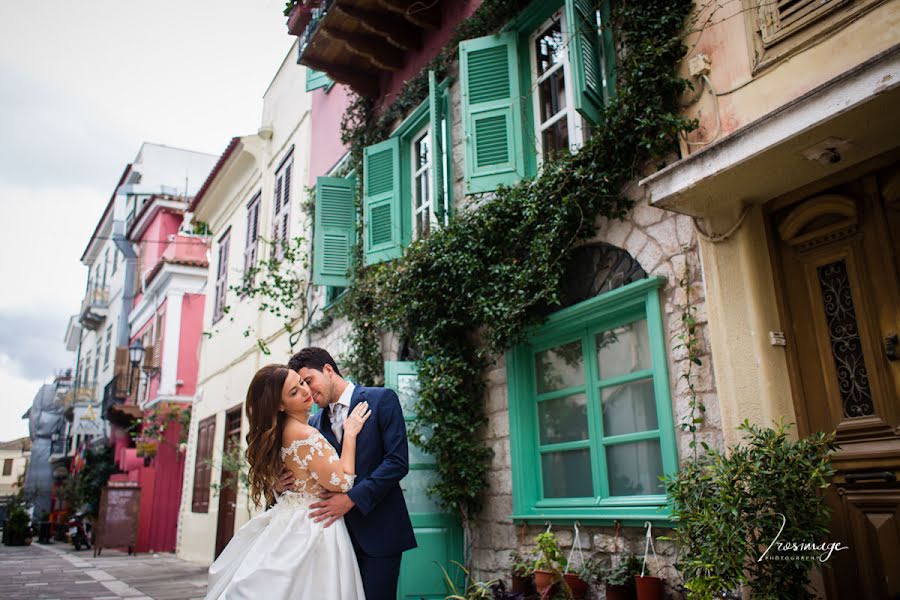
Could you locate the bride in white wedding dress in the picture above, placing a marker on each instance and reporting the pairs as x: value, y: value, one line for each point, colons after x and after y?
x: 282, y: 553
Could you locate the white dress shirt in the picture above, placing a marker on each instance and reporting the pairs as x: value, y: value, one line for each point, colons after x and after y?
x: 340, y: 410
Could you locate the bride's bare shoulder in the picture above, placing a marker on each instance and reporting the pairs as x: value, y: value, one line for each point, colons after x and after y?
x: 295, y: 430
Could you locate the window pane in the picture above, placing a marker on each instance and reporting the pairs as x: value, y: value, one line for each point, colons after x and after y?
x: 555, y: 139
x: 414, y: 486
x: 559, y: 368
x: 408, y: 393
x: 629, y: 408
x: 563, y: 419
x: 567, y: 474
x: 552, y: 94
x: 549, y: 48
x: 623, y: 350
x: 634, y: 469
x: 422, y: 151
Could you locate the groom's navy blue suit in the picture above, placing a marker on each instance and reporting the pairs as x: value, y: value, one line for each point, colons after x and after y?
x: 379, y: 524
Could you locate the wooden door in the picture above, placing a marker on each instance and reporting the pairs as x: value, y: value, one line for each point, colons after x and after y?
x: 229, y: 481
x: 838, y: 266
x: 438, y: 534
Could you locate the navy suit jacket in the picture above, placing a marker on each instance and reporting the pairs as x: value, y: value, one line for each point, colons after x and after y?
x: 379, y: 523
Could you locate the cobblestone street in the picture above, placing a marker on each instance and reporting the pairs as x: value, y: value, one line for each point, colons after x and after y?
x: 39, y: 572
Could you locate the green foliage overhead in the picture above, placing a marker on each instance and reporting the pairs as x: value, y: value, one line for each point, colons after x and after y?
x: 471, y: 289
x: 731, y: 506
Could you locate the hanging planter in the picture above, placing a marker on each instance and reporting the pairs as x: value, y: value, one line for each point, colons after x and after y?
x: 146, y: 449
x: 649, y: 587
x: 576, y: 581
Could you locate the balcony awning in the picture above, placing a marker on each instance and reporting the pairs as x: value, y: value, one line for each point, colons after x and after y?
x: 123, y: 414
x: 351, y: 40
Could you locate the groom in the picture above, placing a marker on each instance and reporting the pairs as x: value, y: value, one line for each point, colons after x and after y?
x: 374, y: 510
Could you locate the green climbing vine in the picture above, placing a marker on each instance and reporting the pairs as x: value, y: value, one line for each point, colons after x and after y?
x: 688, y: 339
x: 471, y: 290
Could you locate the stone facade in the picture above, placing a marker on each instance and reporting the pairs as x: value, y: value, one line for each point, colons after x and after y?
x: 663, y: 243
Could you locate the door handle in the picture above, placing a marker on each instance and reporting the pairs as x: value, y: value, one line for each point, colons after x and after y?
x: 886, y: 476
x: 890, y: 347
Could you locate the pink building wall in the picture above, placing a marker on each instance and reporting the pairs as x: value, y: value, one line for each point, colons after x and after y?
x: 155, y: 239
x: 189, y: 343
x: 325, y: 129
x: 153, y: 383
x: 452, y: 13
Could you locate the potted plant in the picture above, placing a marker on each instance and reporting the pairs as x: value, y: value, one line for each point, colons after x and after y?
x: 578, y: 579
x: 18, y: 528
x: 648, y: 587
x: 619, y: 578
x: 550, y: 563
x: 522, y: 571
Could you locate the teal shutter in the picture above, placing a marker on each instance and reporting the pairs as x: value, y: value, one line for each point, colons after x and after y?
x: 591, y: 55
x: 316, y: 79
x: 381, y: 201
x: 436, y: 114
x: 492, y: 119
x: 334, y: 236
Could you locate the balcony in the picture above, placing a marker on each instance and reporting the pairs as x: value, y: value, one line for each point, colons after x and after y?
x: 94, y: 307
x: 185, y: 250
x: 351, y: 40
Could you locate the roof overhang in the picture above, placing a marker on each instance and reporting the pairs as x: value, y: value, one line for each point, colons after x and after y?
x: 104, y: 225
x: 847, y: 121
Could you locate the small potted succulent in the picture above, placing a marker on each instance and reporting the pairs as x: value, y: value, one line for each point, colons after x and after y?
x: 619, y: 578
x: 522, y: 571
x: 550, y: 564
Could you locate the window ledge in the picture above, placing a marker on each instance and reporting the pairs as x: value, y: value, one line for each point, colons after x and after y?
x: 659, y: 515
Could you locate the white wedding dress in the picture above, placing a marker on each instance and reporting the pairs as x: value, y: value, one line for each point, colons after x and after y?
x: 282, y: 553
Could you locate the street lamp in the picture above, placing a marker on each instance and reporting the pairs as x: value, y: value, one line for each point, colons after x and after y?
x: 135, y: 356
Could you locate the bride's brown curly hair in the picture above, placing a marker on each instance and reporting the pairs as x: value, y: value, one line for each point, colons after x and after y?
x: 266, y: 426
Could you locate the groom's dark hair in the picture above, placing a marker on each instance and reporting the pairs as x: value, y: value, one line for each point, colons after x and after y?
x: 313, y: 358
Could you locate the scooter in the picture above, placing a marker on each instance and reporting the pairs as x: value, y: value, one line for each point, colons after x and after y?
x: 78, y: 532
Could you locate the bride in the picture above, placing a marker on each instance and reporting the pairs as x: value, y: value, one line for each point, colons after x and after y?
x: 282, y: 553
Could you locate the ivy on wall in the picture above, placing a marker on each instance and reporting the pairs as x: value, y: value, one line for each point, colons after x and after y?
x: 472, y: 289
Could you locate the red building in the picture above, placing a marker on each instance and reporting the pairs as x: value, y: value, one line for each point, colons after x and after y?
x: 166, y: 324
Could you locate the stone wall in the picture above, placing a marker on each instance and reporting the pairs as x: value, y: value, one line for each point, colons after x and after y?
x: 661, y: 242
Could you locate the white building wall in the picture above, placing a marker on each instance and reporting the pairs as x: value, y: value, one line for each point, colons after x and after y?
x: 228, y: 357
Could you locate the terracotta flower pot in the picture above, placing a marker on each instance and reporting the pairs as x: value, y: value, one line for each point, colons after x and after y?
x: 578, y: 585
x: 618, y: 592
x: 543, y: 580
x: 649, y: 588
x: 521, y: 584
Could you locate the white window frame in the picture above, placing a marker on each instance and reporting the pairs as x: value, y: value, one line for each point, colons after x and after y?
x: 575, y: 121
x: 282, y: 204
x: 416, y: 186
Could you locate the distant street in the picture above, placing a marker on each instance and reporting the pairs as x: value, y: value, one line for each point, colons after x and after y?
x: 39, y: 572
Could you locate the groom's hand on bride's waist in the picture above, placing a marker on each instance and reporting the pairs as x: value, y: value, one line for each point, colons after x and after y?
x: 331, y: 507
x: 285, y: 483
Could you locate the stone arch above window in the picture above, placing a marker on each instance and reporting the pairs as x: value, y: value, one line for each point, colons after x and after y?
x: 596, y: 268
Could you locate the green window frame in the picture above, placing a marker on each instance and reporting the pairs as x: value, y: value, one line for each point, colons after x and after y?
x: 335, y: 230
x: 317, y: 79
x: 392, y: 182
x: 507, y: 152
x: 584, y: 324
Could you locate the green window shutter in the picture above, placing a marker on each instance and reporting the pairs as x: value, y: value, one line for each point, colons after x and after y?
x: 591, y: 55
x: 334, y: 236
x: 492, y: 118
x: 316, y: 79
x: 436, y: 114
x: 381, y: 201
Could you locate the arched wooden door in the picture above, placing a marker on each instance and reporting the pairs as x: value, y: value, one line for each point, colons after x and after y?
x: 837, y: 260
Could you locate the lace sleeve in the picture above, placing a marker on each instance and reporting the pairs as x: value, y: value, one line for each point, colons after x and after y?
x: 315, y: 455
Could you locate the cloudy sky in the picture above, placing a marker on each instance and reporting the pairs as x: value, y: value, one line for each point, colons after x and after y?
x: 82, y: 84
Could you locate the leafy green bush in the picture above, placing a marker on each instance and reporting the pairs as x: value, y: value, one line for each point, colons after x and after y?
x: 18, y: 527
x: 732, y: 505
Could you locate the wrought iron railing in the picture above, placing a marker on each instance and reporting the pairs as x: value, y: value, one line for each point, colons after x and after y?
x: 317, y: 14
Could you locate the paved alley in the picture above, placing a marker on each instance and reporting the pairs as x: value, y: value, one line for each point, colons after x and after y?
x: 39, y: 572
